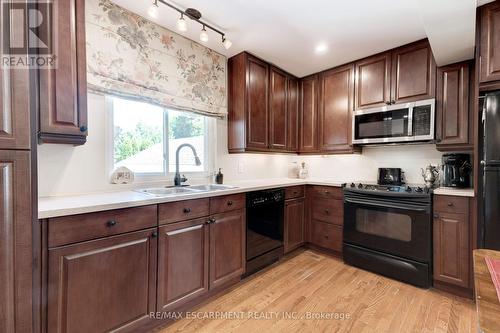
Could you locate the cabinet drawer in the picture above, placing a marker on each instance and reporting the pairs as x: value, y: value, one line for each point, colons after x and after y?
x: 451, y: 204
x: 326, y: 192
x: 183, y: 210
x: 326, y: 235
x: 83, y: 227
x: 294, y: 192
x: 328, y: 210
x: 227, y: 203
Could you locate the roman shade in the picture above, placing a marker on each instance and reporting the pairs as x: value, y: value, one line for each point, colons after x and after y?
x: 132, y: 57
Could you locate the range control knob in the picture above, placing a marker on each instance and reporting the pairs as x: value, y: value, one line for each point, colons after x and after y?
x: 353, y: 185
x: 419, y: 189
x: 408, y: 189
x: 360, y: 185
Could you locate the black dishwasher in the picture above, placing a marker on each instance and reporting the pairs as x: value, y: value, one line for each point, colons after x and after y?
x: 265, y: 215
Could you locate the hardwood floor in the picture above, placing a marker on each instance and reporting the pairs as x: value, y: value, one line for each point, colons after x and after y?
x: 313, y: 283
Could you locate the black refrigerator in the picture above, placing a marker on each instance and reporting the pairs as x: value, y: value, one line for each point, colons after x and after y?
x: 489, y: 232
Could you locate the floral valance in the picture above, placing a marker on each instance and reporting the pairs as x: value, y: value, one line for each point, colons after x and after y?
x: 132, y: 57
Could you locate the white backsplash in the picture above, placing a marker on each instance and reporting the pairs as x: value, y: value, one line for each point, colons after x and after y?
x: 65, y: 169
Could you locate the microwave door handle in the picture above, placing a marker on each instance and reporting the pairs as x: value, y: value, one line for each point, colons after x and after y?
x: 410, y: 121
x: 385, y: 205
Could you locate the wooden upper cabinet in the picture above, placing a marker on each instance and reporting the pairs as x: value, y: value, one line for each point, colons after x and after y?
x: 452, y: 105
x: 16, y: 263
x: 373, y: 79
x: 335, y: 109
x: 15, y: 118
x: 63, y: 91
x: 182, y: 263
x: 293, y: 115
x: 489, y: 50
x: 227, y: 247
x: 413, y: 73
x: 309, y: 114
x: 278, y: 109
x: 257, y: 104
x: 102, y: 285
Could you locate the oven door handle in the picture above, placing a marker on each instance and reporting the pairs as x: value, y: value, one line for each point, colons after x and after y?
x: 386, y: 205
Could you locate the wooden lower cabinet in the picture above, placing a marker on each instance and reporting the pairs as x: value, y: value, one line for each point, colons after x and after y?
x: 183, y: 253
x: 227, y: 247
x: 102, y: 285
x: 326, y: 235
x: 294, y: 224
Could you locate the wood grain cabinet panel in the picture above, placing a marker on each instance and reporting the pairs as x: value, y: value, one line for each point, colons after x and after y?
x: 335, y: 109
x: 373, y: 79
x: 278, y: 109
x: 309, y: 114
x: 227, y: 247
x: 63, y: 91
x: 453, y: 105
x: 326, y: 235
x: 16, y: 261
x: 489, y: 50
x: 257, y: 104
x: 451, y: 248
x: 413, y: 73
x: 294, y: 224
x: 292, y: 106
x: 182, y: 263
x: 102, y: 285
x: 15, y: 113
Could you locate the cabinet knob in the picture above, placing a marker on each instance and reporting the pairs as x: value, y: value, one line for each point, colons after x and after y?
x: 111, y: 223
x: 229, y: 203
x: 450, y: 204
x: 154, y: 234
x: 388, y: 103
x: 393, y: 102
x: 327, y: 211
x: 83, y: 128
x: 436, y: 215
x: 186, y: 210
x: 211, y: 220
x: 326, y: 236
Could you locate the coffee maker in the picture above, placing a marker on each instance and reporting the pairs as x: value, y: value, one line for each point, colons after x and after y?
x: 456, y: 170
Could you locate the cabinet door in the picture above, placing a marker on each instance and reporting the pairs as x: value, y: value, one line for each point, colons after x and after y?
x: 294, y: 224
x: 15, y: 118
x: 63, y: 91
x: 451, y: 248
x: 489, y: 52
x: 453, y: 104
x: 373, y: 80
x: 227, y: 247
x: 413, y: 73
x: 335, y: 110
x: 293, y: 115
x: 15, y: 242
x: 309, y: 114
x: 102, y: 285
x: 257, y: 103
x: 182, y: 263
x: 278, y: 110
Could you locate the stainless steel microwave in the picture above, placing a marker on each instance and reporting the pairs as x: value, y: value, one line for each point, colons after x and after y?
x: 406, y: 122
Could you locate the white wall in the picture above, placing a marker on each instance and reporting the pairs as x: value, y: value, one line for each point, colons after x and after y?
x: 65, y: 169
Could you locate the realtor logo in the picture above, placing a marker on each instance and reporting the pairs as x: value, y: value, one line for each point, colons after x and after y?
x: 28, y: 34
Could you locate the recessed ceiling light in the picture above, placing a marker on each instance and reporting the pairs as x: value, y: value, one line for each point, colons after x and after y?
x: 321, y: 48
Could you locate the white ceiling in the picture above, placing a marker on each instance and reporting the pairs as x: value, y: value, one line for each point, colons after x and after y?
x: 286, y: 32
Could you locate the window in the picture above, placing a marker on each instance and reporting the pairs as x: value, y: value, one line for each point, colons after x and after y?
x: 145, y: 138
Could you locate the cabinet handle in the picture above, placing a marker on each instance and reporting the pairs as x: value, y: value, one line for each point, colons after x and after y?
x: 229, y: 203
x: 436, y: 215
x: 186, y: 210
x: 111, y: 223
x: 387, y: 103
x: 393, y: 102
x: 83, y: 128
x: 211, y: 220
x: 327, y: 211
x: 154, y: 234
x: 326, y: 236
x: 450, y: 204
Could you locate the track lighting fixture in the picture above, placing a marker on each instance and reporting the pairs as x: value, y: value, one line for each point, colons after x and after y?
x: 192, y: 14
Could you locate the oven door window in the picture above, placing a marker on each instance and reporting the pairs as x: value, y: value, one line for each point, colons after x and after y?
x: 391, y: 225
x: 384, y: 124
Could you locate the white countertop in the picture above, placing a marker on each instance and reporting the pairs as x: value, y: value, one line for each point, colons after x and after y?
x: 459, y: 192
x: 78, y: 204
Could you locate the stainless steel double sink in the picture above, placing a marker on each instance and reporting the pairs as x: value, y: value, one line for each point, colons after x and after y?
x: 191, y: 189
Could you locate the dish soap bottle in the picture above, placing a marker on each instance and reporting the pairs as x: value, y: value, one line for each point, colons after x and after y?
x: 303, y: 172
x: 219, y: 177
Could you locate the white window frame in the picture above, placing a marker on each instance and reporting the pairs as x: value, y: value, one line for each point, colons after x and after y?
x: 208, y: 159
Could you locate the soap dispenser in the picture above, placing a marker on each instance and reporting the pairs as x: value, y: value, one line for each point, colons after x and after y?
x: 219, y: 177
